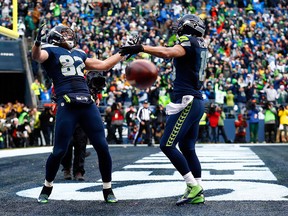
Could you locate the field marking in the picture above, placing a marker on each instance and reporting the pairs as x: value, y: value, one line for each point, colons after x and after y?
x: 237, y: 180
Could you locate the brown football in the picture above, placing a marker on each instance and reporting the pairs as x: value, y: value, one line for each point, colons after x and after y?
x: 141, y: 73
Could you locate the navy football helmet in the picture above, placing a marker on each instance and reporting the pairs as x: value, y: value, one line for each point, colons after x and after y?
x: 191, y: 24
x: 62, y: 36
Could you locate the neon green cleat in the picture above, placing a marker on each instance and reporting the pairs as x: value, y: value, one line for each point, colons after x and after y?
x: 195, y: 190
x: 43, y: 198
x: 109, y: 196
x: 192, y: 195
x: 198, y: 199
x: 44, y: 195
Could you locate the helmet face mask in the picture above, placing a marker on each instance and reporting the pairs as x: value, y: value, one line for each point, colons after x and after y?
x: 191, y: 24
x: 62, y: 36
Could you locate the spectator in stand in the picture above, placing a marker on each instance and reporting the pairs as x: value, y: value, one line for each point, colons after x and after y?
x: 30, y: 26
x: 240, y: 129
x: 271, y: 93
x: 45, y: 96
x: 111, y: 96
x: 282, y: 95
x: 253, y: 119
x: 283, y: 124
x: 270, y: 114
x: 19, y: 134
x: 209, y: 91
x: 2, y: 113
x: 220, y: 94
x: 24, y: 115
x: 37, y: 87
x: 230, y: 101
x: 241, y: 100
x: 36, y: 14
x: 213, y: 117
x: 143, y: 96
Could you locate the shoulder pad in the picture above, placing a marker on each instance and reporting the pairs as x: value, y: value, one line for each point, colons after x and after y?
x: 184, y: 40
x: 80, y: 50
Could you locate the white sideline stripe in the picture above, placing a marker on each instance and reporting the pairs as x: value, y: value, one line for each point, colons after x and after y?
x: 24, y: 151
x: 204, y: 160
x: 15, y: 152
x: 210, y: 149
x: 214, y: 166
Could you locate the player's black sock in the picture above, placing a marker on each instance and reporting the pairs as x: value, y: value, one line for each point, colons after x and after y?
x: 46, y: 190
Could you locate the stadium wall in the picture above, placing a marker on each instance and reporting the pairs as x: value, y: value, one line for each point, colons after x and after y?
x: 15, y: 73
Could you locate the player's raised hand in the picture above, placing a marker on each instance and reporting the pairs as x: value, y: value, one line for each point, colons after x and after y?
x: 132, y: 40
x: 131, y: 50
x: 40, y: 34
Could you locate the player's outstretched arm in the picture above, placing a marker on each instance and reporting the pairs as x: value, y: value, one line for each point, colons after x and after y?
x: 96, y: 64
x: 165, y: 52
x: 159, y: 51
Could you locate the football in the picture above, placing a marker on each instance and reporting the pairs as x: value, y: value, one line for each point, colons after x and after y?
x: 141, y: 73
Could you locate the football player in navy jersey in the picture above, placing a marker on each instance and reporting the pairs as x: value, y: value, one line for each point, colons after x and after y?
x: 186, y: 109
x: 65, y: 65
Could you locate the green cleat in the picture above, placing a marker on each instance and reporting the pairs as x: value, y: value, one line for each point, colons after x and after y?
x: 43, y: 198
x: 109, y: 196
x: 199, y: 199
x: 44, y: 195
x: 192, y: 195
x: 195, y: 190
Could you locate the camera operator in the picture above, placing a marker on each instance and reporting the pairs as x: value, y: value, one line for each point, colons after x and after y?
x: 96, y: 83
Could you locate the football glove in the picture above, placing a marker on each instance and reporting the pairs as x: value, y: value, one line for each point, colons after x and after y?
x: 132, y: 40
x: 39, y: 35
x: 131, y: 50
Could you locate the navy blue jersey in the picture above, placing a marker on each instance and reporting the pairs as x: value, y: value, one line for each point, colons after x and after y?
x: 190, y: 68
x: 65, y: 68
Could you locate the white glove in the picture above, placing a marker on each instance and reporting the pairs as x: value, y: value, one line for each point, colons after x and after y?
x: 132, y: 40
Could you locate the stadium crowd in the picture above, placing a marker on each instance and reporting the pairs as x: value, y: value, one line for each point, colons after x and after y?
x: 247, y: 69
